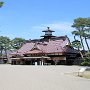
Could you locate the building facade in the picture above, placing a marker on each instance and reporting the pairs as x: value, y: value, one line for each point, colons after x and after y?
x: 49, y: 50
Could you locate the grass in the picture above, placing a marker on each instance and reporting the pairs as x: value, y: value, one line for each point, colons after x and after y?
x: 86, y: 74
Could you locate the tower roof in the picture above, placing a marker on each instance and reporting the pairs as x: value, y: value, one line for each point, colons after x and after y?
x: 48, y: 33
x: 48, y: 30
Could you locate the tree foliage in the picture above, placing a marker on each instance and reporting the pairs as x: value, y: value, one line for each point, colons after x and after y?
x: 4, y: 44
x: 82, y: 26
x: 86, y: 59
x: 76, y: 44
x: 1, y: 4
x: 17, y: 43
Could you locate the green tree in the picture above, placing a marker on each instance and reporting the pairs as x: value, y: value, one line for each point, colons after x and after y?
x: 76, y: 44
x: 85, y: 36
x: 82, y: 25
x: 1, y: 4
x: 17, y: 43
x: 5, y: 45
x: 86, y: 59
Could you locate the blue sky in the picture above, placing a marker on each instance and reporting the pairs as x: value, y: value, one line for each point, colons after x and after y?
x: 27, y: 18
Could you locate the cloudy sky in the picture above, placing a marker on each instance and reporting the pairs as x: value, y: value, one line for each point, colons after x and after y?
x: 27, y: 18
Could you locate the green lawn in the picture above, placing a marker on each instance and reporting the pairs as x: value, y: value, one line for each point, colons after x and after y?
x: 86, y: 74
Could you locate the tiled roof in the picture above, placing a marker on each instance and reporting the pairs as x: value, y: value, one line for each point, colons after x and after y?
x: 69, y: 49
x: 34, y: 52
x: 51, y: 46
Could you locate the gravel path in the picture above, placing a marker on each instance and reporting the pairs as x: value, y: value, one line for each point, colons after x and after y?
x: 41, y: 78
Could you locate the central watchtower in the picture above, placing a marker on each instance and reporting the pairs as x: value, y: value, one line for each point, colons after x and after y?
x: 48, y: 33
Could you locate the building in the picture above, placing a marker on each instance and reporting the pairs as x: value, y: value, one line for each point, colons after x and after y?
x: 49, y: 50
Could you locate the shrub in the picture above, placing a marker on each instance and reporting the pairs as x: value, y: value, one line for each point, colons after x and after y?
x: 85, y: 63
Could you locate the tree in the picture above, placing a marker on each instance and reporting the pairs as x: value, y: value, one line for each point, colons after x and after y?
x: 1, y: 4
x: 82, y: 25
x: 4, y: 45
x: 17, y: 43
x: 85, y: 36
x: 86, y: 59
x: 76, y: 44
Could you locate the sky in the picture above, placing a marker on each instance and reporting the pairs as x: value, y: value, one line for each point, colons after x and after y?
x: 27, y: 18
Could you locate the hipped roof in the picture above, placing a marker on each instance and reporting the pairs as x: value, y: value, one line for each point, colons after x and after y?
x: 51, y: 46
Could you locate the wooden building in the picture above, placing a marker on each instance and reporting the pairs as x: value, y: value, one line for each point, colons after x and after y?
x: 49, y: 50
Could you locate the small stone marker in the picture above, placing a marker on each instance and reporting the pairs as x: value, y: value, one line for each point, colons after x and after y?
x: 82, y: 70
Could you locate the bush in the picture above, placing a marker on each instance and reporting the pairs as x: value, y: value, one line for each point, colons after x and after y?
x: 85, y: 63
x: 86, y: 59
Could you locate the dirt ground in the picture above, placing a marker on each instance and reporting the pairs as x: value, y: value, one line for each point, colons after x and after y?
x: 25, y: 77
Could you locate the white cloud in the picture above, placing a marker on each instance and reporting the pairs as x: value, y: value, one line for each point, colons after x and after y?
x: 61, y: 26
x: 56, y: 26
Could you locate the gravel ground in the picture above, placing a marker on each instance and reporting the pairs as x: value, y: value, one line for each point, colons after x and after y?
x: 22, y: 77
